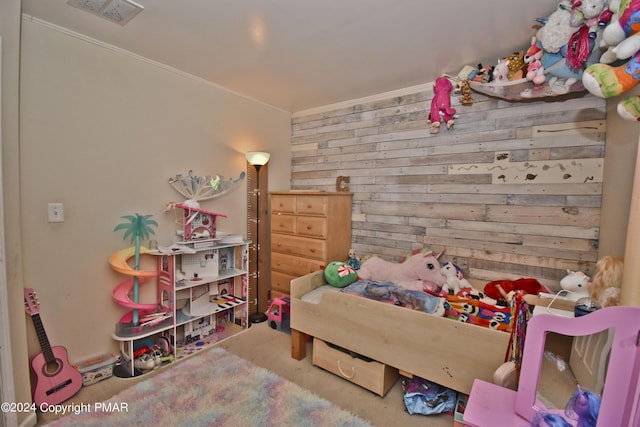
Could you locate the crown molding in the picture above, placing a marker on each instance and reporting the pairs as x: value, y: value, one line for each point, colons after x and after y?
x: 372, y: 98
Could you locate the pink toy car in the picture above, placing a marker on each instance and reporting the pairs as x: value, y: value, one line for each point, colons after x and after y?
x: 278, y: 314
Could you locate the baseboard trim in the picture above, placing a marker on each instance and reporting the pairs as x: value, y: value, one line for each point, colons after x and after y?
x: 30, y: 421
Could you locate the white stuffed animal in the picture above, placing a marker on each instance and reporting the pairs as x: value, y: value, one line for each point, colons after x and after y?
x: 454, y: 279
x: 557, y: 29
x: 577, y: 285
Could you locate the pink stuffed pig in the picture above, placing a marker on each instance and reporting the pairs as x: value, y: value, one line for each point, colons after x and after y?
x: 421, y: 272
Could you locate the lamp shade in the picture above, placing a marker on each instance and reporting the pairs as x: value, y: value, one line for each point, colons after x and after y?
x: 258, y: 158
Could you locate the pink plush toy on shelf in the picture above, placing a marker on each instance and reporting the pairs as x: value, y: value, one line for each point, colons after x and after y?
x: 533, y: 58
x: 441, y: 110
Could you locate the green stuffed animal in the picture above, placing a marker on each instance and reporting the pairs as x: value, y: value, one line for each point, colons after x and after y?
x: 339, y: 274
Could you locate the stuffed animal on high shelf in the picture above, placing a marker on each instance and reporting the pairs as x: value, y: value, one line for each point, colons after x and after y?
x: 512, y: 67
x: 441, y: 110
x: 570, y: 41
x: 605, y: 286
x: 420, y: 272
x: 622, y: 36
x: 533, y: 59
x: 465, y: 93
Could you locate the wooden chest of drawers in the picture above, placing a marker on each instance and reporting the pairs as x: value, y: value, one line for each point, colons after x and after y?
x: 308, y: 230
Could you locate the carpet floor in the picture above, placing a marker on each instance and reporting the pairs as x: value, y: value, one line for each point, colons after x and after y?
x: 215, y: 389
x: 270, y: 349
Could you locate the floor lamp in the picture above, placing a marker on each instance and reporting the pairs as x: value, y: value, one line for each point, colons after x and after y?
x: 257, y: 159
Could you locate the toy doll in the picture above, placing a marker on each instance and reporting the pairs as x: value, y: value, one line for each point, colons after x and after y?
x: 605, y: 286
x: 353, y: 261
x: 583, y: 407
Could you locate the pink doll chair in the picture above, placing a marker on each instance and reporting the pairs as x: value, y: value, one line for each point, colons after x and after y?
x: 490, y: 405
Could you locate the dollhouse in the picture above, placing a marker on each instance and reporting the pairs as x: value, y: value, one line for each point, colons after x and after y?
x: 201, y: 293
x: 197, y: 223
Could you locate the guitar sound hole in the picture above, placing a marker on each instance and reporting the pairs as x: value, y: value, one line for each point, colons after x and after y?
x: 52, y: 368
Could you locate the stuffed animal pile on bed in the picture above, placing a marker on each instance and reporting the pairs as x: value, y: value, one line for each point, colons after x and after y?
x: 422, y: 283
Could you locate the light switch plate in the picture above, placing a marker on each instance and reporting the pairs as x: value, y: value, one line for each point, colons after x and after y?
x: 56, y: 212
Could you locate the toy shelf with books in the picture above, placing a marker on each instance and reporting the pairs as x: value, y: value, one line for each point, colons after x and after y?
x: 202, y: 299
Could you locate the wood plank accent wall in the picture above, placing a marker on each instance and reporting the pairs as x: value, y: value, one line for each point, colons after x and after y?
x: 512, y: 190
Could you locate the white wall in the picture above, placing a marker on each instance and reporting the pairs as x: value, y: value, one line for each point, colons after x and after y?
x: 10, y: 32
x: 620, y: 162
x: 102, y: 132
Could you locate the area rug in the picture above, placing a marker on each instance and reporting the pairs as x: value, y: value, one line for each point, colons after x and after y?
x: 214, y: 388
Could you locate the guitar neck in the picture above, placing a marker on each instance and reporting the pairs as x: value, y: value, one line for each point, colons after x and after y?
x: 42, y: 337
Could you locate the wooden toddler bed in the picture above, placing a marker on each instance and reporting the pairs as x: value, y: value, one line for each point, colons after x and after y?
x: 441, y: 350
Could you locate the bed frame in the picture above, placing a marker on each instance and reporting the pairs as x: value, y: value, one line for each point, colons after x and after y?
x: 441, y: 350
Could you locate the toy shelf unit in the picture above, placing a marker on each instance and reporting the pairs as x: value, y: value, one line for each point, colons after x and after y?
x: 210, y: 294
x: 201, y: 289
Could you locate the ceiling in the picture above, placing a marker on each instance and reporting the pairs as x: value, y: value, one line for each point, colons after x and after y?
x: 301, y: 54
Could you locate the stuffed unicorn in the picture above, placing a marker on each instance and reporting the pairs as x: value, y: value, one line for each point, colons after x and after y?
x: 454, y: 280
x: 577, y: 283
x: 421, y: 272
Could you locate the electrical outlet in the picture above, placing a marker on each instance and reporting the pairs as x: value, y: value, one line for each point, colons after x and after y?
x: 56, y: 212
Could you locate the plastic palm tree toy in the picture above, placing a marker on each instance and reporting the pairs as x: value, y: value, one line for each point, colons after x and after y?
x: 138, y: 227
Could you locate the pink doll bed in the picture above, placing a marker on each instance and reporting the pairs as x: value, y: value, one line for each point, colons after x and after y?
x: 447, y: 352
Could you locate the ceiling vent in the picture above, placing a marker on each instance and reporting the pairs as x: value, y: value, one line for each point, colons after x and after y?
x: 118, y: 11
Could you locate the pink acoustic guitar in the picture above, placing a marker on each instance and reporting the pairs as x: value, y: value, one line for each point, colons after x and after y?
x: 55, y: 379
